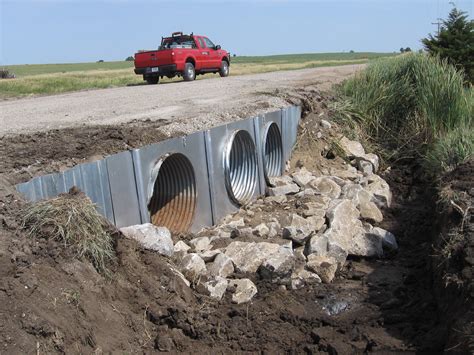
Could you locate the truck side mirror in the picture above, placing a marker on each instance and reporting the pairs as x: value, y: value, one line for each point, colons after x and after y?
x: 217, y: 47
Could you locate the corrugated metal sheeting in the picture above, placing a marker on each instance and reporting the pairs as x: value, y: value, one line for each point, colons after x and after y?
x: 184, y: 183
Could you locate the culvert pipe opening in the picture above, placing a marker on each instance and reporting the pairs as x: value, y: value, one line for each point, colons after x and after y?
x: 173, y: 200
x: 272, y: 151
x: 240, y: 164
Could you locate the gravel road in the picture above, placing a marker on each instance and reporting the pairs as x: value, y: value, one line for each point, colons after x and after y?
x: 186, y: 106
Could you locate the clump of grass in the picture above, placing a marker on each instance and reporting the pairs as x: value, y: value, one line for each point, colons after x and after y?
x: 415, y: 106
x: 72, y: 219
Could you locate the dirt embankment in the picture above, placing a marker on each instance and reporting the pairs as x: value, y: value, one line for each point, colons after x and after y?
x: 51, y: 302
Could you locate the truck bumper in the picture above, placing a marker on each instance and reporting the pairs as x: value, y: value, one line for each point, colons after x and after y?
x: 161, y: 70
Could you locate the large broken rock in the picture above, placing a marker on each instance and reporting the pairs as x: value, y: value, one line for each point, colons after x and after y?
x: 245, y: 290
x: 318, y: 245
x: 302, y: 177
x: 352, y: 149
x: 282, y: 185
x: 301, y: 278
x: 301, y: 229
x: 151, y: 237
x: 389, y: 242
x: 363, y: 199
x: 380, y: 190
x: 192, y: 266
x: 279, y: 265
x: 373, y: 159
x: 366, y: 244
x: 344, y: 222
x: 326, y: 186
x: 221, y: 266
x: 247, y: 257
x: 316, y: 207
x: 214, y: 288
x: 324, y: 266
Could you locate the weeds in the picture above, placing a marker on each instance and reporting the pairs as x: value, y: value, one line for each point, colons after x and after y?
x: 73, y: 220
x: 413, y: 105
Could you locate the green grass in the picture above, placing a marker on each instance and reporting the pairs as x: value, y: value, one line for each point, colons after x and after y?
x: 415, y: 106
x: 38, y: 69
x: 50, y: 79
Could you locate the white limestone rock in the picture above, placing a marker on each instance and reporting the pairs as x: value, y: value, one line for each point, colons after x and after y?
x: 245, y: 290
x: 151, y: 237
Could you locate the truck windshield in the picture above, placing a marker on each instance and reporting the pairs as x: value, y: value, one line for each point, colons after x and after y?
x: 177, y: 42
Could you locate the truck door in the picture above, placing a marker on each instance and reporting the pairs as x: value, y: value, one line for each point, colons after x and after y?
x: 202, y: 53
x: 214, y: 61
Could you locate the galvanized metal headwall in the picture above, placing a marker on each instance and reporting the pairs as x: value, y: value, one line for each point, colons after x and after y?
x: 182, y: 183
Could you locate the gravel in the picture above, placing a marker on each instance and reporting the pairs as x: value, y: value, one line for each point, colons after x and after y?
x: 187, y: 106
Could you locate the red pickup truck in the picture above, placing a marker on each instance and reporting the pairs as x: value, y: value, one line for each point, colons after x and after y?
x: 182, y: 55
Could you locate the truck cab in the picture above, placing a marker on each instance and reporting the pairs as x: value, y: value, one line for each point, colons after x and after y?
x: 182, y: 55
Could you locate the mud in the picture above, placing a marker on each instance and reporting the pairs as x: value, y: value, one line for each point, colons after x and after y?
x: 50, y: 302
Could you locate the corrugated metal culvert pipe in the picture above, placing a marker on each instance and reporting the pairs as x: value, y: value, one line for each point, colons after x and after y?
x: 240, y: 165
x: 173, y: 203
x: 272, y: 151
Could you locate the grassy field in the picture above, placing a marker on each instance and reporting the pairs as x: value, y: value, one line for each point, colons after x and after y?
x: 49, y: 79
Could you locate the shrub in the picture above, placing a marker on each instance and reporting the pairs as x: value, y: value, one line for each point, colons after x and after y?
x: 5, y: 74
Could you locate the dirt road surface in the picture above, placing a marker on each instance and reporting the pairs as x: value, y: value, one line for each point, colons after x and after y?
x: 186, y: 106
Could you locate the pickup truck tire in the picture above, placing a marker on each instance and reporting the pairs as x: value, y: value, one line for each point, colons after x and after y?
x: 189, y: 73
x: 152, y: 79
x: 224, y: 71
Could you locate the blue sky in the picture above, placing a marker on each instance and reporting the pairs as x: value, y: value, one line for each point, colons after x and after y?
x: 62, y: 31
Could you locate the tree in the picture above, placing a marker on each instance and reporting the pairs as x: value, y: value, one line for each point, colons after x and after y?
x: 407, y: 49
x: 129, y: 59
x: 454, y: 42
x: 402, y: 50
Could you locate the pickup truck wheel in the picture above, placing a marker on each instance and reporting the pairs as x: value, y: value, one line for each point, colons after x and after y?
x: 152, y: 79
x: 224, y: 71
x: 189, y: 73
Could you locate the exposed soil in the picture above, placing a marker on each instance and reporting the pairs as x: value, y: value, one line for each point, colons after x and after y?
x: 52, y: 302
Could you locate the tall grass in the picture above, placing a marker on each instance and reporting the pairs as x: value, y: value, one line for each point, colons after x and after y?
x: 414, y: 106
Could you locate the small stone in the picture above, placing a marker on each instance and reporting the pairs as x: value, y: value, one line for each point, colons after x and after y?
x: 299, y: 254
x: 281, y: 199
x: 151, y: 237
x: 192, y: 266
x: 302, y: 177
x: 326, y: 186
x: 245, y: 290
x: 325, y: 124
x: 283, y: 190
x: 200, y: 244
x: 214, y: 288
x: 374, y: 160
x: 181, y: 246
x: 261, y: 230
x: 324, y: 266
x: 209, y: 255
x: 352, y: 149
x: 222, y: 266
x: 365, y: 167
x: 302, y: 277
x: 274, y: 229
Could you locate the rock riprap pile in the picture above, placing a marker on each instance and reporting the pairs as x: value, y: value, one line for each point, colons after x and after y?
x: 299, y: 234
